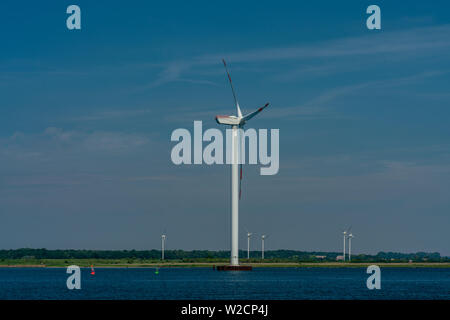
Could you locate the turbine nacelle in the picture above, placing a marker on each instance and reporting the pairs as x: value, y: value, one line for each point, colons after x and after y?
x: 229, y: 120
x: 239, y: 120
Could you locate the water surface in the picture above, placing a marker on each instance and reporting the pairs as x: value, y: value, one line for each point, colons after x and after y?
x: 205, y: 283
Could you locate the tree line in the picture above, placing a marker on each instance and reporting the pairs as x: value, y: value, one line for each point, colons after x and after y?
x: 272, y: 255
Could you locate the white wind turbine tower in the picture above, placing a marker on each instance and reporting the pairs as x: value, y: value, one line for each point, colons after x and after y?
x: 163, y: 243
x: 263, y: 237
x: 248, y: 244
x: 350, y: 236
x: 345, y: 238
x: 236, y: 122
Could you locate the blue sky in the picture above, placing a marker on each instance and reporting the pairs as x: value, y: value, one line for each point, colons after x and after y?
x: 86, y: 119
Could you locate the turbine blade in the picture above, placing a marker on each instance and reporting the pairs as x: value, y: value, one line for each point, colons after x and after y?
x: 254, y: 113
x: 239, y: 113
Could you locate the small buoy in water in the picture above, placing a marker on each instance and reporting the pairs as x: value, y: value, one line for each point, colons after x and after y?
x: 92, y: 270
x: 157, y: 271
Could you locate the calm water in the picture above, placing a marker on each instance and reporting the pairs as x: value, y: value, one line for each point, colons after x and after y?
x: 205, y: 283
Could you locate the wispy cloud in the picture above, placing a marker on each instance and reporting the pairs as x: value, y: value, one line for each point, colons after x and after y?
x: 56, y: 140
x: 341, y: 91
x: 112, y: 114
x: 406, y: 43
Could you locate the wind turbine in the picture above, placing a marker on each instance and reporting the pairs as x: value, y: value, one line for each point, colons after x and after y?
x: 263, y: 237
x: 248, y: 244
x: 163, y: 242
x: 350, y: 236
x: 345, y: 235
x: 236, y: 122
x: 345, y: 232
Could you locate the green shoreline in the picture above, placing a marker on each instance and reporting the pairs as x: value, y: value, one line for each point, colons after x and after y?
x: 99, y: 264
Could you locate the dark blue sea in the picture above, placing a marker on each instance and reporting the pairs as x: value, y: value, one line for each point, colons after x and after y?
x: 205, y: 283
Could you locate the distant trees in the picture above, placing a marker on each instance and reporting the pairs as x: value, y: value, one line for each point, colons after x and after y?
x: 208, y: 255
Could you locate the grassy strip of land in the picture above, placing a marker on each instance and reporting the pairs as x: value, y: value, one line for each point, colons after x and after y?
x: 123, y: 263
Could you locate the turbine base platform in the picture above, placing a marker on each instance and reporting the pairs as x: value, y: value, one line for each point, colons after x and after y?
x: 234, y: 268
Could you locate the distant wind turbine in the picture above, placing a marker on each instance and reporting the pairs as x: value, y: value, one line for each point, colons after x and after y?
x: 263, y: 237
x: 163, y: 242
x: 248, y: 244
x: 350, y: 236
x: 345, y: 238
x: 345, y: 235
x: 236, y: 122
